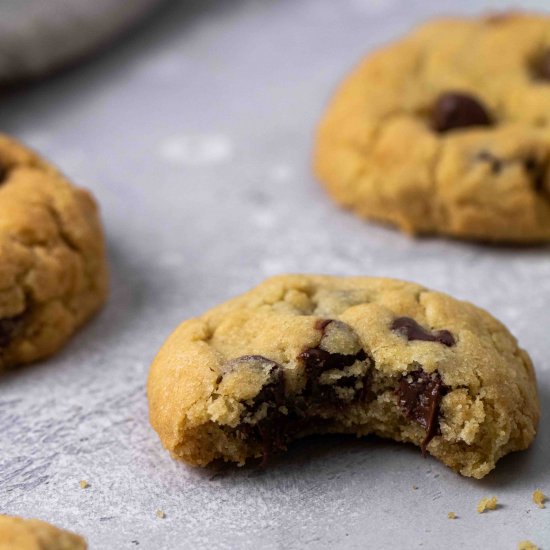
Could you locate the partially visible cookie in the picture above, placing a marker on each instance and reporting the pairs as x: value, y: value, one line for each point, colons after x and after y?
x: 53, y: 270
x: 32, y: 534
x: 316, y: 354
x: 447, y: 131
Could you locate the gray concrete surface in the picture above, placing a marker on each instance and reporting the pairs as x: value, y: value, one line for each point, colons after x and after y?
x: 195, y: 135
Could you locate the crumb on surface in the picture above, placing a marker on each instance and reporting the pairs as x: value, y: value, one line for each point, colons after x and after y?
x: 84, y: 484
x: 527, y: 545
x: 452, y: 515
x: 539, y: 498
x: 160, y: 514
x: 415, y: 487
x: 487, y: 504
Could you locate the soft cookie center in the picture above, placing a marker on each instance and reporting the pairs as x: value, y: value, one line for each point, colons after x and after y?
x: 339, y: 381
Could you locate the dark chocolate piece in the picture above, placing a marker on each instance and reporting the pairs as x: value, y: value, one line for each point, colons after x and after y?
x: 536, y: 171
x: 542, y: 66
x: 459, y: 110
x: 317, y: 361
x: 413, y: 331
x: 285, y: 417
x: 8, y: 328
x: 419, y: 396
x: 271, y: 431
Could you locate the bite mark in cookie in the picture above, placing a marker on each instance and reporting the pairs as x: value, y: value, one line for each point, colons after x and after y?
x: 295, y: 357
x: 333, y: 380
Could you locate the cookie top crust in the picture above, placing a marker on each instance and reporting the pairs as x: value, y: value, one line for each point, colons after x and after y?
x: 447, y: 131
x: 32, y: 534
x: 53, y: 272
x: 426, y: 346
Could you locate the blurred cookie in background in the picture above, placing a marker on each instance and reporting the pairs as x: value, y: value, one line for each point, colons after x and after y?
x: 38, y: 37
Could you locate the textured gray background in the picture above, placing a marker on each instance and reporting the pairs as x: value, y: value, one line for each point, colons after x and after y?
x: 195, y: 135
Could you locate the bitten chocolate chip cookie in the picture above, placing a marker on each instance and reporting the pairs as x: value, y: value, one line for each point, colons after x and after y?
x: 32, y: 534
x: 447, y: 131
x: 314, y: 354
x: 53, y: 272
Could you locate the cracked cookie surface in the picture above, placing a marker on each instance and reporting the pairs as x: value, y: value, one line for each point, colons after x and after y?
x: 32, y: 534
x: 53, y: 271
x: 447, y: 131
x: 315, y: 354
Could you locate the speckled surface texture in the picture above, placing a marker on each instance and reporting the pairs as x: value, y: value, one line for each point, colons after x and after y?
x: 196, y: 137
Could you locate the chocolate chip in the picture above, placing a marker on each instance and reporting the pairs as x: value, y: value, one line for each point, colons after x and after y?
x: 496, y: 163
x: 318, y: 360
x: 271, y: 430
x: 413, y: 331
x: 419, y: 396
x: 458, y: 110
x: 8, y: 328
x: 541, y: 67
x: 536, y: 171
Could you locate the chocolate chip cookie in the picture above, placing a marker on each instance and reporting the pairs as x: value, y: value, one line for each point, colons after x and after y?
x: 53, y: 274
x: 32, y: 534
x: 315, y: 354
x: 447, y: 131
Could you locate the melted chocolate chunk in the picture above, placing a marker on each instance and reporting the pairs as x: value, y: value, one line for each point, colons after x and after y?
x: 459, y: 110
x: 536, y: 171
x: 413, y: 331
x: 285, y: 416
x: 317, y: 361
x: 541, y: 66
x: 8, y: 328
x: 419, y: 396
x: 273, y: 392
x: 269, y: 431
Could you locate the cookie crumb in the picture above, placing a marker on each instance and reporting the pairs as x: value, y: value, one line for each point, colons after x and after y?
x: 539, y: 498
x: 452, y: 515
x: 84, y: 484
x: 527, y: 545
x: 415, y: 487
x: 487, y: 504
x: 160, y: 514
